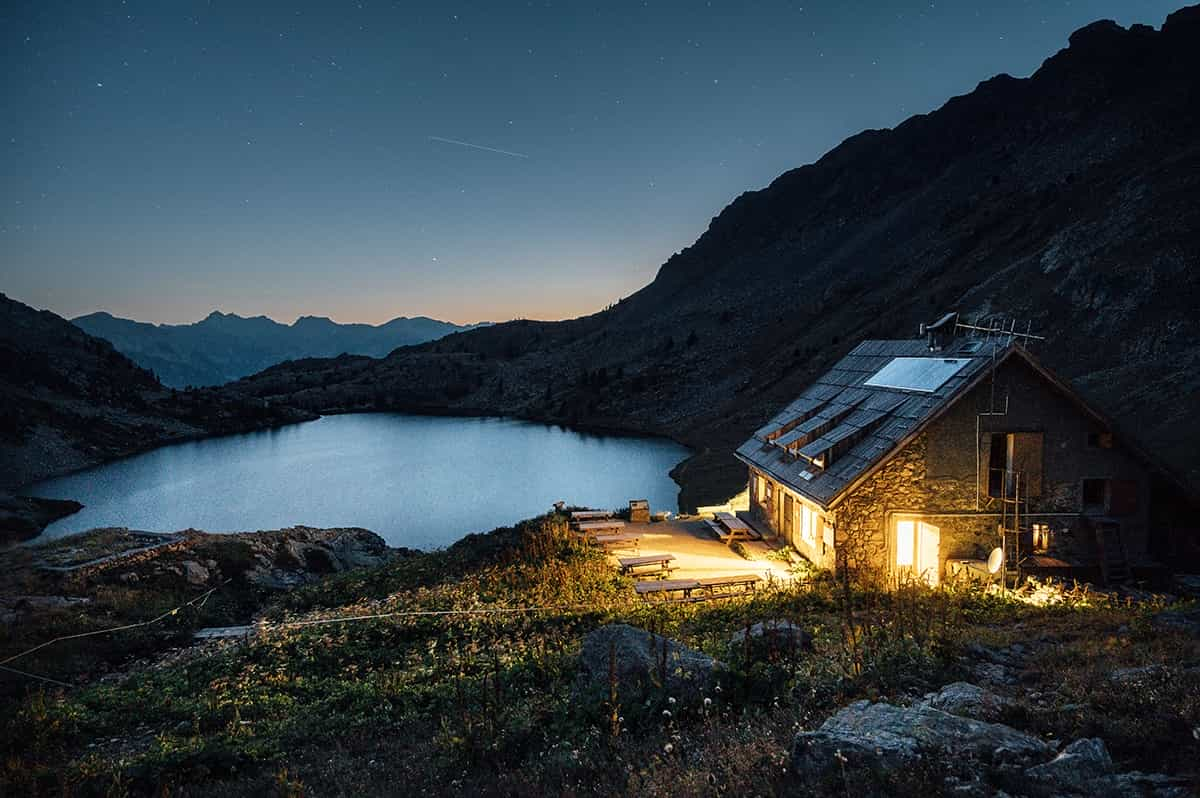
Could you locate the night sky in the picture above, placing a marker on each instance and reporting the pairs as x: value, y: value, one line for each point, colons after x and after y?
x: 160, y: 158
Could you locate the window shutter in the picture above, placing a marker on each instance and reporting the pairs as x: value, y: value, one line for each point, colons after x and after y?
x: 1123, y: 497
x: 1027, y: 459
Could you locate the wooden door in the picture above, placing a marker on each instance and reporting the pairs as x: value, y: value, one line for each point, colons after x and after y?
x: 929, y: 562
x: 918, y: 551
x: 789, y: 530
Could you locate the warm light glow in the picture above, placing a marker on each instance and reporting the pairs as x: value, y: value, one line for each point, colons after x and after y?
x: 808, y: 524
x: 1041, y: 537
x: 905, y: 534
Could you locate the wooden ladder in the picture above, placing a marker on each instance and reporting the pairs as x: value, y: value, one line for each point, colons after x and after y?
x: 1113, y: 560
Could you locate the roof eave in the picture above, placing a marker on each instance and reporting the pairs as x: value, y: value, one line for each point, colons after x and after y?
x: 791, y: 485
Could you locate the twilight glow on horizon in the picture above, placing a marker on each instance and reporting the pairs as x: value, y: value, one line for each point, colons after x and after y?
x: 465, y: 161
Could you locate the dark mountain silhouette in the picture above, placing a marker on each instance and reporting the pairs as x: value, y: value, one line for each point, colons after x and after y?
x: 1069, y: 201
x: 71, y: 400
x: 224, y: 346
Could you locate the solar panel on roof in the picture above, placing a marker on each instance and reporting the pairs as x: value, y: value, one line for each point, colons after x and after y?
x: 924, y: 374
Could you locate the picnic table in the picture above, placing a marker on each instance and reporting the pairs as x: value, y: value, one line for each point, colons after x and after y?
x: 590, y: 515
x: 730, y: 528
x: 593, y: 527
x: 625, y: 540
x: 734, y: 583
x: 659, y: 563
x: 664, y: 587
x: 698, y: 589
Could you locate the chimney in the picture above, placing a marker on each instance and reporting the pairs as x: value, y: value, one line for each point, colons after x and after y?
x: 939, y: 334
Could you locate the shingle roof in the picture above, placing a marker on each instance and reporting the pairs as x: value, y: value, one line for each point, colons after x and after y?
x: 848, y: 427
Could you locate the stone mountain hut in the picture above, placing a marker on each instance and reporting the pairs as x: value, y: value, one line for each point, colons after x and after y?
x: 917, y: 458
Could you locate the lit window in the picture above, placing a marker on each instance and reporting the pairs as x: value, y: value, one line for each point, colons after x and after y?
x: 808, y: 524
x: 1041, y: 537
x: 905, y: 533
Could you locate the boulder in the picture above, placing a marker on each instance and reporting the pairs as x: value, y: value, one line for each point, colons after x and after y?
x: 870, y: 742
x: 766, y: 637
x: 195, y: 573
x: 1187, y: 584
x: 1078, y: 765
x: 1187, y: 621
x: 1136, y: 676
x: 1084, y: 768
x: 298, y: 555
x: 967, y: 700
x: 642, y: 661
x: 1142, y: 785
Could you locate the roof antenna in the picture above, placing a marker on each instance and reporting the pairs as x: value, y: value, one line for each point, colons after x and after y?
x: 1009, y: 332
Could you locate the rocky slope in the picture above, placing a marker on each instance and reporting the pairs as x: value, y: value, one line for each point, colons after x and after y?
x: 109, y: 577
x: 225, y: 346
x: 1068, y: 201
x: 72, y: 400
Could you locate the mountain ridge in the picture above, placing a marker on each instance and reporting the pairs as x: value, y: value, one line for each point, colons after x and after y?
x: 222, y: 347
x: 1067, y: 200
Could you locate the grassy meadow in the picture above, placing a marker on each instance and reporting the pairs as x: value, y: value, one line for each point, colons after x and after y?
x: 448, y: 692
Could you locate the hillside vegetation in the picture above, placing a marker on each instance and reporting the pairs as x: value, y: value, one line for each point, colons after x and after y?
x: 441, y: 688
x: 71, y: 400
x: 1068, y: 201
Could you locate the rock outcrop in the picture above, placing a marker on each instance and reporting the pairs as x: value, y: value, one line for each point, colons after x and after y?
x: 770, y: 639
x: 967, y: 700
x: 872, y: 739
x: 24, y: 517
x: 303, y: 554
x: 875, y: 749
x: 641, y: 661
x: 1186, y: 621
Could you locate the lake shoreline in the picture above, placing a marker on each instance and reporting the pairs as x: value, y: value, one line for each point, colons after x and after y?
x: 416, y: 480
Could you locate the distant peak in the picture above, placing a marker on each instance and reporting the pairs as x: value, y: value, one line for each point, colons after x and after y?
x: 1099, y: 33
x: 1186, y: 17
x: 312, y: 320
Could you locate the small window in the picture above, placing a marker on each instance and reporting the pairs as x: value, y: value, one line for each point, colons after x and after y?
x: 1041, y: 537
x: 1015, y: 465
x: 1095, y: 493
x: 999, y: 458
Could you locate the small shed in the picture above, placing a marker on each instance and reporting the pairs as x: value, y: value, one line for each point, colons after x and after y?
x: 639, y: 511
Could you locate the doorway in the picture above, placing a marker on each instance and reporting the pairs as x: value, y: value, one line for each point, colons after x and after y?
x: 918, y: 551
x: 789, y: 528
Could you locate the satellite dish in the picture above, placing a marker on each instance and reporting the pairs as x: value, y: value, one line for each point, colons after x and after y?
x: 995, y: 560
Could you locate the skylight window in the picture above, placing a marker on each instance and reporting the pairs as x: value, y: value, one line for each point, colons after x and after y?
x: 924, y: 374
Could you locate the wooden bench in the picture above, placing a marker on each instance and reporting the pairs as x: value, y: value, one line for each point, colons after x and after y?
x: 659, y: 564
x: 729, y: 585
x: 590, y: 515
x: 599, y: 527
x: 665, y: 588
x: 625, y: 540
